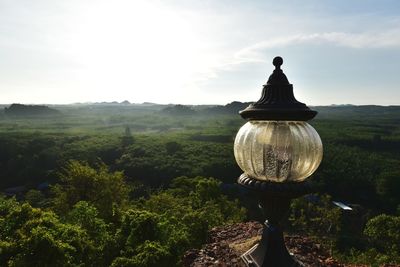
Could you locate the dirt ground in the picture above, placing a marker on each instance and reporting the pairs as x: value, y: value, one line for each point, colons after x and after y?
x: 227, y: 243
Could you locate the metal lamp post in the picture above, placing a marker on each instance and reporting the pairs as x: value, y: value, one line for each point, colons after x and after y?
x: 277, y: 150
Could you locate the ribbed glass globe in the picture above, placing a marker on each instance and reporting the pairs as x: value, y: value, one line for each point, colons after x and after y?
x: 278, y: 151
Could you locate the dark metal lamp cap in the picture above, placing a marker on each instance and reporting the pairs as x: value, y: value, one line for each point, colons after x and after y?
x: 277, y: 101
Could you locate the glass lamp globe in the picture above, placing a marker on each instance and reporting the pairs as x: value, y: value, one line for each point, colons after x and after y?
x: 278, y: 151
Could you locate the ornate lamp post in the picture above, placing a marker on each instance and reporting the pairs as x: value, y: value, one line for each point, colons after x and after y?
x: 277, y: 150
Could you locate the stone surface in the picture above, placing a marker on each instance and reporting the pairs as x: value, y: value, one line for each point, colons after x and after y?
x: 227, y: 243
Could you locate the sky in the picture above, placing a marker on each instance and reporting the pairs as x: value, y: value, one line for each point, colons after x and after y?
x: 198, y: 52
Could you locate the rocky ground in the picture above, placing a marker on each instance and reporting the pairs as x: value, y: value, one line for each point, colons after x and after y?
x: 227, y: 243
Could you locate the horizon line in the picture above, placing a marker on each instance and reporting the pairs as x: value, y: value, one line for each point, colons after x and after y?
x: 167, y: 104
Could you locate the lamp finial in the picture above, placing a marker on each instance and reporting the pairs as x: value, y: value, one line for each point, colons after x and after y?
x: 277, y: 62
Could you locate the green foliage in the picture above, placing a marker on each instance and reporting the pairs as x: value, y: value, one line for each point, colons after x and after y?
x: 35, y: 198
x: 138, y: 226
x: 382, y: 243
x: 32, y: 237
x: 7, y: 205
x: 147, y: 254
x: 146, y: 148
x: 79, y: 182
x: 128, y: 138
x: 346, y: 167
x: 317, y: 217
x: 383, y: 232
x: 153, y: 231
x: 173, y: 147
x: 369, y: 257
x: 156, y: 161
x: 388, y: 187
x: 188, y: 210
x: 86, y: 216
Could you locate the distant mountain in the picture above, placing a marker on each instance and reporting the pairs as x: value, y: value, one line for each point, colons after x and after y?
x: 30, y: 110
x: 363, y: 112
x: 325, y: 112
x: 106, y: 103
x: 231, y: 108
x: 125, y: 102
x: 178, y: 110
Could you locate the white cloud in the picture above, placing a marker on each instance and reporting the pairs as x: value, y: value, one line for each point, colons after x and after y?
x: 386, y: 39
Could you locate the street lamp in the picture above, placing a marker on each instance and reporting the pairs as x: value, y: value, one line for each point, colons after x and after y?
x: 277, y: 151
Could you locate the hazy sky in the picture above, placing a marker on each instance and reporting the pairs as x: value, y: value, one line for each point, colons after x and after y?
x: 192, y: 51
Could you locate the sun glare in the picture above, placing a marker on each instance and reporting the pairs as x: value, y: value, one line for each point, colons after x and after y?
x: 133, y: 48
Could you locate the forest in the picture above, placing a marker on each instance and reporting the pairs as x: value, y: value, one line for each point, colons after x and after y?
x: 120, y: 184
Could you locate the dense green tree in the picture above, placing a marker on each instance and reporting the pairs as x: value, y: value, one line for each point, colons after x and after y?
x: 93, y: 207
x: 128, y: 138
x: 32, y: 237
x: 196, y: 205
x: 173, y: 147
x: 383, y: 231
x: 86, y: 216
x: 148, y: 254
x: 138, y: 226
x: 35, y: 198
x: 315, y: 214
x: 106, y: 190
x: 388, y: 188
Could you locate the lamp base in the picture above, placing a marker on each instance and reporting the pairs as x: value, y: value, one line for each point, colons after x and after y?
x: 270, y: 251
x: 277, y: 189
x: 274, y: 200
